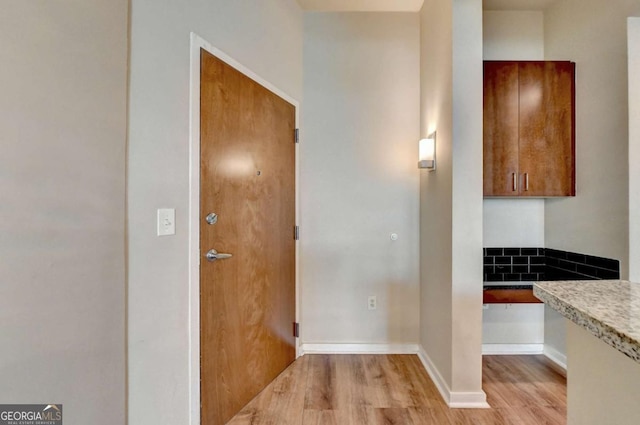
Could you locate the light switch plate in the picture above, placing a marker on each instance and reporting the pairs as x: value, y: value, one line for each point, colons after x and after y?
x: 166, y: 221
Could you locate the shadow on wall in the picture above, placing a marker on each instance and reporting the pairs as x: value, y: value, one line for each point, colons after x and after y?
x: 403, y: 307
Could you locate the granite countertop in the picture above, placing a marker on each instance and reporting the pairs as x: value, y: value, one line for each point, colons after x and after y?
x: 608, y: 309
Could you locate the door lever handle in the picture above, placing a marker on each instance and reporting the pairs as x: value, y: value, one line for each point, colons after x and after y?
x: 213, y: 255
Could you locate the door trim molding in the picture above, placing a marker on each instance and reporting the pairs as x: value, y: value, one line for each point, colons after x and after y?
x: 198, y: 43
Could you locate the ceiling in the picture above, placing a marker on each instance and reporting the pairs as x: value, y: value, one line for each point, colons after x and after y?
x: 412, y: 5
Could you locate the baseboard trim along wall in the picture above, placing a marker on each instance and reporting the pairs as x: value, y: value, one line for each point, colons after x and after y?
x: 455, y: 400
x: 556, y: 357
x: 359, y: 349
x: 511, y: 349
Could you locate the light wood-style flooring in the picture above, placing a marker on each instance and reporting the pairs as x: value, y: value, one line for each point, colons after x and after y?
x: 395, y: 389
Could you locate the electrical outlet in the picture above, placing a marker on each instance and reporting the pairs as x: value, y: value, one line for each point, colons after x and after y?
x: 373, y: 302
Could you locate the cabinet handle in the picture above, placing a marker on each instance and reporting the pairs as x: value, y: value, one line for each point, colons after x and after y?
x: 526, y: 181
x: 515, y: 181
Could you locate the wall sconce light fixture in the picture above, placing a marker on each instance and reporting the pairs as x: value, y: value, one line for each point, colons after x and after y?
x: 427, y: 152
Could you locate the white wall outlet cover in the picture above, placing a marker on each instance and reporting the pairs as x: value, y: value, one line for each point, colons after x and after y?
x: 166, y: 221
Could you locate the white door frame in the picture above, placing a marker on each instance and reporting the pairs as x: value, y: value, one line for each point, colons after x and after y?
x: 198, y: 43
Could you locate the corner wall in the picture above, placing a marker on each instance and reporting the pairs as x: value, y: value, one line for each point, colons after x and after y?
x: 264, y: 36
x: 592, y: 33
x: 451, y: 199
x: 436, y: 188
x: 63, y: 119
x: 467, y: 200
x: 360, y: 178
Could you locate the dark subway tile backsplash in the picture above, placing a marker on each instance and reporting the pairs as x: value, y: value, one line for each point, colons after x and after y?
x: 527, y: 264
x: 511, y: 251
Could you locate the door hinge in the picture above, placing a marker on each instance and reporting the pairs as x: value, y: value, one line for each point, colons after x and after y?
x: 296, y: 233
x: 296, y: 329
x: 297, y: 135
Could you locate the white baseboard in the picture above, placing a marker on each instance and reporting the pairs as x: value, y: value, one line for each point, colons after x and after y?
x: 359, y: 348
x: 556, y: 357
x: 512, y: 349
x: 461, y: 400
x: 456, y: 400
x: 433, y: 372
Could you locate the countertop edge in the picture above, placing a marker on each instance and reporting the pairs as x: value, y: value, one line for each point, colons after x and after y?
x: 603, y: 331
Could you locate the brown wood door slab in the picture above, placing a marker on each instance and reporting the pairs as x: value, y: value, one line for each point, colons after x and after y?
x: 247, y: 177
x: 500, y: 162
x: 547, y: 164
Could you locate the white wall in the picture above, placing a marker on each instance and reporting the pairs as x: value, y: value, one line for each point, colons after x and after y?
x: 593, y: 34
x: 359, y: 178
x: 602, y: 383
x: 63, y: 83
x: 512, y: 324
x: 555, y: 336
x: 451, y: 197
x: 467, y: 197
x: 266, y: 37
x: 436, y: 187
x: 634, y: 147
x: 513, y: 35
x: 513, y: 223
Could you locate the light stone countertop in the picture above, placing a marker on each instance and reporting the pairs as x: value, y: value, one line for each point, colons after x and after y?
x: 608, y: 309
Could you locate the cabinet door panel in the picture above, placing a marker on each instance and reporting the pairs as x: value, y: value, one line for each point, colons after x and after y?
x: 500, y: 161
x: 546, y: 148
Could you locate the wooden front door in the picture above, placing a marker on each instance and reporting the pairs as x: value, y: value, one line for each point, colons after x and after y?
x: 247, y: 179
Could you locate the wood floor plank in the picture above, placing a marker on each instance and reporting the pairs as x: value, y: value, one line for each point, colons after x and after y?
x: 426, y: 391
x: 391, y: 416
x: 386, y: 385
x: 513, y: 381
x: 543, y: 415
x: 319, y: 417
x: 435, y: 415
x: 352, y: 387
x: 282, y: 402
x: 483, y: 417
x: 375, y: 378
x: 321, y: 383
x: 403, y: 390
x: 395, y: 389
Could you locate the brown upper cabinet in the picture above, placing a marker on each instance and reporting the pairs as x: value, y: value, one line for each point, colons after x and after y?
x: 529, y: 133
